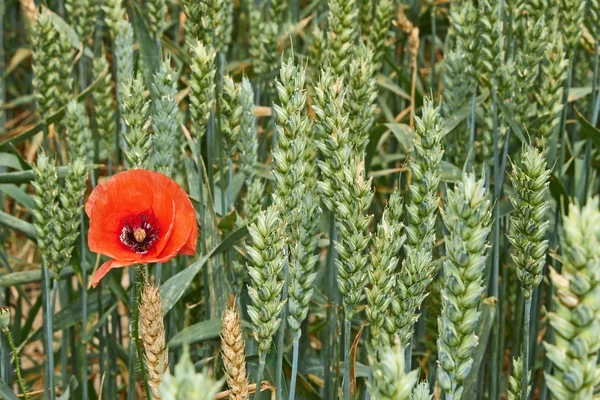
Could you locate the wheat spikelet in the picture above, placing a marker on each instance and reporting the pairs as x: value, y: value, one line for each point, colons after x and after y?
x: 232, y: 351
x: 152, y: 332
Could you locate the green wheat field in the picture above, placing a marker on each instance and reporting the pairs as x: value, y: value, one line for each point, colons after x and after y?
x: 299, y: 199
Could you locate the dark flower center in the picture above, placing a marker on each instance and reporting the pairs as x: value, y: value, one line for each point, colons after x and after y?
x: 139, y: 233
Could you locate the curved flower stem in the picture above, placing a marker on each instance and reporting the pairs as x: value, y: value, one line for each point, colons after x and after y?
x: 259, y: 375
x: 296, y: 342
x: 347, y: 332
x: 525, y: 378
x: 17, y: 366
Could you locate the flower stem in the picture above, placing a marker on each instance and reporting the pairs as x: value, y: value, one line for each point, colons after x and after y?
x: 17, y: 367
x: 139, y: 286
x: 525, y: 378
x: 295, y: 344
x: 347, y: 333
x: 259, y: 375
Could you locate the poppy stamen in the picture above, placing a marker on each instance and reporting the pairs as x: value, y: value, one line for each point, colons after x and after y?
x: 139, y: 233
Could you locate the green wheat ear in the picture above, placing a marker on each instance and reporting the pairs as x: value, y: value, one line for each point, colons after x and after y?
x: 82, y: 16
x: 387, y: 243
x: 202, y: 86
x: 185, y: 383
x: 71, y: 204
x: 266, y: 253
x: 248, y: 136
x: 342, y: 34
x: 530, y: 180
x: 52, y: 53
x: 390, y: 379
x: 516, y: 379
x: 114, y: 13
x: 231, y: 112
x: 421, y: 392
x: 417, y: 269
x: 164, y: 118
x: 46, y: 205
x: 104, y: 113
x: 575, y: 321
x: 467, y: 218
x: 79, y: 134
x: 134, y: 109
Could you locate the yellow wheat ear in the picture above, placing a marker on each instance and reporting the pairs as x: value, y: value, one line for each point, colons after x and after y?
x: 152, y: 331
x: 234, y: 358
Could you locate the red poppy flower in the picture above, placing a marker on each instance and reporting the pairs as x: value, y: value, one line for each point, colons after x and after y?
x: 139, y: 217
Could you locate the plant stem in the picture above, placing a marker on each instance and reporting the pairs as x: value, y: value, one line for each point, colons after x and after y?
x: 47, y: 320
x: 259, y: 375
x: 135, y: 329
x: 331, y: 311
x: 295, y: 345
x: 17, y: 366
x: 347, y: 334
x: 281, y: 332
x: 525, y: 378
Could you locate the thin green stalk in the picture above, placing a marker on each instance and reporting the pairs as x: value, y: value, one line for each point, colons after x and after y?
x: 281, y: 332
x: 347, y: 334
x: 331, y: 312
x: 295, y: 345
x: 47, y: 320
x: 64, y: 347
x: 472, y: 132
x: 593, y: 120
x: 259, y: 375
x: 17, y: 366
x: 141, y: 279
x: 432, y: 45
x: 201, y: 189
x: 131, y: 364
x: 562, y: 136
x: 526, y: 323
x: 496, y: 249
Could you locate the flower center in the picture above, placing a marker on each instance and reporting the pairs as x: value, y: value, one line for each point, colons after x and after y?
x: 139, y: 233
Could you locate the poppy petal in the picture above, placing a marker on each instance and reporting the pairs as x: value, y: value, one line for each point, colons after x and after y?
x: 185, y: 226
x: 189, y: 247
x: 104, y: 268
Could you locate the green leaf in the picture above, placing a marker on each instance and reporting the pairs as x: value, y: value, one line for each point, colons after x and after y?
x: 196, y: 333
x: 374, y: 137
x: 18, y: 194
x: 559, y: 192
x: 6, y: 393
x: 172, y: 290
x: 18, y: 225
x: 20, y: 55
x: 511, y: 121
x: 10, y: 161
x: 19, y: 177
x: 20, y: 135
x: 450, y: 123
x: 450, y: 172
x: 588, y: 131
x: 484, y: 328
x: 149, y: 51
x: 228, y: 222
x: 24, y: 277
x: 70, y: 316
